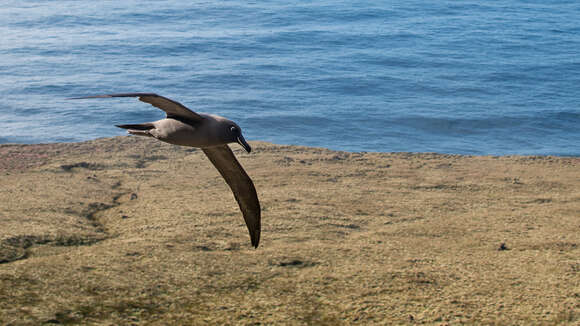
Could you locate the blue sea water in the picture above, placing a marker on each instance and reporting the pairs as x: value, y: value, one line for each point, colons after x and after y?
x: 471, y: 77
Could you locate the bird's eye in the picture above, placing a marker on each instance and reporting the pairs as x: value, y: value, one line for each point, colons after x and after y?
x: 233, y: 129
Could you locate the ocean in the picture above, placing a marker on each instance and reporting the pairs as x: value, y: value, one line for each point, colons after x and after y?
x: 496, y: 77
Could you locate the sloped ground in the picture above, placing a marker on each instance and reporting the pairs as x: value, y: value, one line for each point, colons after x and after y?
x: 129, y: 231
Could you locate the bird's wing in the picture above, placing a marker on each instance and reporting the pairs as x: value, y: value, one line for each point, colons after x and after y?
x: 172, y: 108
x: 242, y: 186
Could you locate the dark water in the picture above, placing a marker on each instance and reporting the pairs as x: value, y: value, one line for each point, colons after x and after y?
x: 471, y: 77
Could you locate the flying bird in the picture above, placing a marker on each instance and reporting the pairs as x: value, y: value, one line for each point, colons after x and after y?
x: 209, y: 132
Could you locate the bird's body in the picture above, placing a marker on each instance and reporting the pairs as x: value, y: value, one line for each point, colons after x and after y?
x: 184, y: 132
x: 211, y: 133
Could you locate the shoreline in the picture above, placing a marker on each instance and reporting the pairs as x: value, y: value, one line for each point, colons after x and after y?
x: 131, y: 230
x: 313, y: 147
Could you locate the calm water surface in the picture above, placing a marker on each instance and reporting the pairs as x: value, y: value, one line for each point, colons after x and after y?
x: 469, y: 77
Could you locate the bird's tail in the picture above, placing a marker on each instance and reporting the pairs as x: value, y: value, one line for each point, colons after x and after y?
x: 138, y: 129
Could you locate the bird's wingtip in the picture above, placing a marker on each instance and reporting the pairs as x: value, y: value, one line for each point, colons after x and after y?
x: 256, y: 242
x: 114, y: 95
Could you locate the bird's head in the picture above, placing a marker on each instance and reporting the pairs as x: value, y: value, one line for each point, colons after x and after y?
x: 235, y: 136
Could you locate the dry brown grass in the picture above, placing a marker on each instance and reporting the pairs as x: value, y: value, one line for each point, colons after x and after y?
x: 129, y: 231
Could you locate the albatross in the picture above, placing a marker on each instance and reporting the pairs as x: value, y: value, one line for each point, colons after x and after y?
x: 212, y: 134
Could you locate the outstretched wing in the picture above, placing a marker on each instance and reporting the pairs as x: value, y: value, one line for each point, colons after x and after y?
x: 242, y: 186
x: 172, y: 108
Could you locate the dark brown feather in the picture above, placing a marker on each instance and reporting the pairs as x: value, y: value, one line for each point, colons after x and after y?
x: 242, y: 186
x: 172, y: 108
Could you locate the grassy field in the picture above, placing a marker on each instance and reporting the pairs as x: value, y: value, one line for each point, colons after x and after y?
x: 130, y: 231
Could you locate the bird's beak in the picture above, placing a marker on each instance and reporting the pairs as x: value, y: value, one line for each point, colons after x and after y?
x: 244, y: 144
